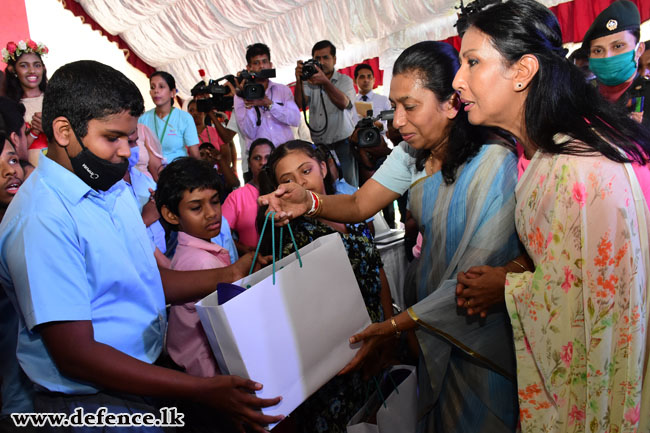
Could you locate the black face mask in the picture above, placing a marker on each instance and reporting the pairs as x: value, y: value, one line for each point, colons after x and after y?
x: 97, y: 173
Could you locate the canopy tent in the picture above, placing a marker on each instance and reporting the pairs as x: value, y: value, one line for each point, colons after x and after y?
x: 182, y: 36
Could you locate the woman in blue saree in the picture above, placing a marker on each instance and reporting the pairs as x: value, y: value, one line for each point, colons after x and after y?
x: 461, y: 181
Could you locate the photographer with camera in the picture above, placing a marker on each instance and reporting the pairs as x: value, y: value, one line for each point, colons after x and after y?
x: 212, y: 106
x: 368, y: 138
x: 219, y: 150
x: 263, y: 109
x: 329, y: 95
x: 364, y: 78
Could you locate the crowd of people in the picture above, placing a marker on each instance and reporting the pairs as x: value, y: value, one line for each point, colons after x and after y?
x: 528, y: 186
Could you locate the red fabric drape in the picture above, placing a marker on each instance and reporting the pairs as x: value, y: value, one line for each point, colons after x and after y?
x: 576, y: 16
x: 374, y: 64
x: 131, y: 57
x: 13, y: 24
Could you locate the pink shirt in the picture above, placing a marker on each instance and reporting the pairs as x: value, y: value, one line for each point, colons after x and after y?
x: 187, y: 343
x: 210, y: 135
x: 240, y: 209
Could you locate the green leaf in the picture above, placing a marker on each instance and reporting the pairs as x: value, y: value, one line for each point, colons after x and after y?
x: 590, y: 307
x: 559, y: 372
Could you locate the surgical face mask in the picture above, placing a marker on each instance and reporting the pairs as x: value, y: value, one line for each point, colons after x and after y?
x: 615, y: 70
x: 135, y: 156
x: 96, y: 172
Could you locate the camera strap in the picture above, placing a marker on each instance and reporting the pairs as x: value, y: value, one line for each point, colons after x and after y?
x: 304, y: 111
x: 259, y: 115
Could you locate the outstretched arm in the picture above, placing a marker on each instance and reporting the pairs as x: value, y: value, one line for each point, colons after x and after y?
x: 291, y: 200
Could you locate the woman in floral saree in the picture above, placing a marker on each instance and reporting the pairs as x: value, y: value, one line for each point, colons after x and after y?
x: 579, y: 314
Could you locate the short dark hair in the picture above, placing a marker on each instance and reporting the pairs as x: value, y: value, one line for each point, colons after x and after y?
x: 169, y: 78
x: 85, y: 90
x: 324, y: 44
x: 12, y: 113
x: 205, y: 145
x: 258, y: 49
x: 361, y: 66
x: 184, y: 174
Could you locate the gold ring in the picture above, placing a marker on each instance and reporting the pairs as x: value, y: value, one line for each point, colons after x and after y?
x: 468, y: 303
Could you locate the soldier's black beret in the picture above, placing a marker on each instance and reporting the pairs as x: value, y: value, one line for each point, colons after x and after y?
x: 619, y: 16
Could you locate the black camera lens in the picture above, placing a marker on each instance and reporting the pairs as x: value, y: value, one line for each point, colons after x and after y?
x: 253, y: 91
x: 309, y: 69
x: 368, y: 137
x: 204, y: 105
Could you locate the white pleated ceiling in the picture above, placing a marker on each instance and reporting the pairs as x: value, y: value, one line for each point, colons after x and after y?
x: 182, y: 36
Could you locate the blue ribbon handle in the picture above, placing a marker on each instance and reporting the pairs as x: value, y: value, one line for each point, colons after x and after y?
x: 257, y: 250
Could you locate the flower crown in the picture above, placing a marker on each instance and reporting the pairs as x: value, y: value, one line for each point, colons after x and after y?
x: 15, y: 50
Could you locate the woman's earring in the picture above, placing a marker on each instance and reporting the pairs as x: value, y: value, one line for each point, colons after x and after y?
x: 520, y: 85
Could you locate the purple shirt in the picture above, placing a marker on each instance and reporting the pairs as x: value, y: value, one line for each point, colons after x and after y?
x: 276, y: 122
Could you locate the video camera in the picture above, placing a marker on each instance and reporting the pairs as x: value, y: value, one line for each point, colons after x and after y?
x: 252, y: 89
x: 368, y: 135
x: 309, y: 69
x: 218, y: 99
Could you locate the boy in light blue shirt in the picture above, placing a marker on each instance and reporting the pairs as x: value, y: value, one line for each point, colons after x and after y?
x: 78, y: 266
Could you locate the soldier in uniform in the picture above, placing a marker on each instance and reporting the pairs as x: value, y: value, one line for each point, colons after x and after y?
x: 614, y: 46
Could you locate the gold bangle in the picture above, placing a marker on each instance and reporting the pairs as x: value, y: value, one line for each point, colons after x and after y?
x: 520, y: 265
x: 397, y: 331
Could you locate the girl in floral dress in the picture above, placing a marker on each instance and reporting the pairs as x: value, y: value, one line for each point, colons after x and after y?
x: 579, y: 314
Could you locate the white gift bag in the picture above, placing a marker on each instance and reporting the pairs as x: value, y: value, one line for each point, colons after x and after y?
x: 392, y: 408
x: 291, y: 336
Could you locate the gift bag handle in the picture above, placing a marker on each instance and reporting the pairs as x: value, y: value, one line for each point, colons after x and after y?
x: 259, y: 243
x: 378, y: 387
